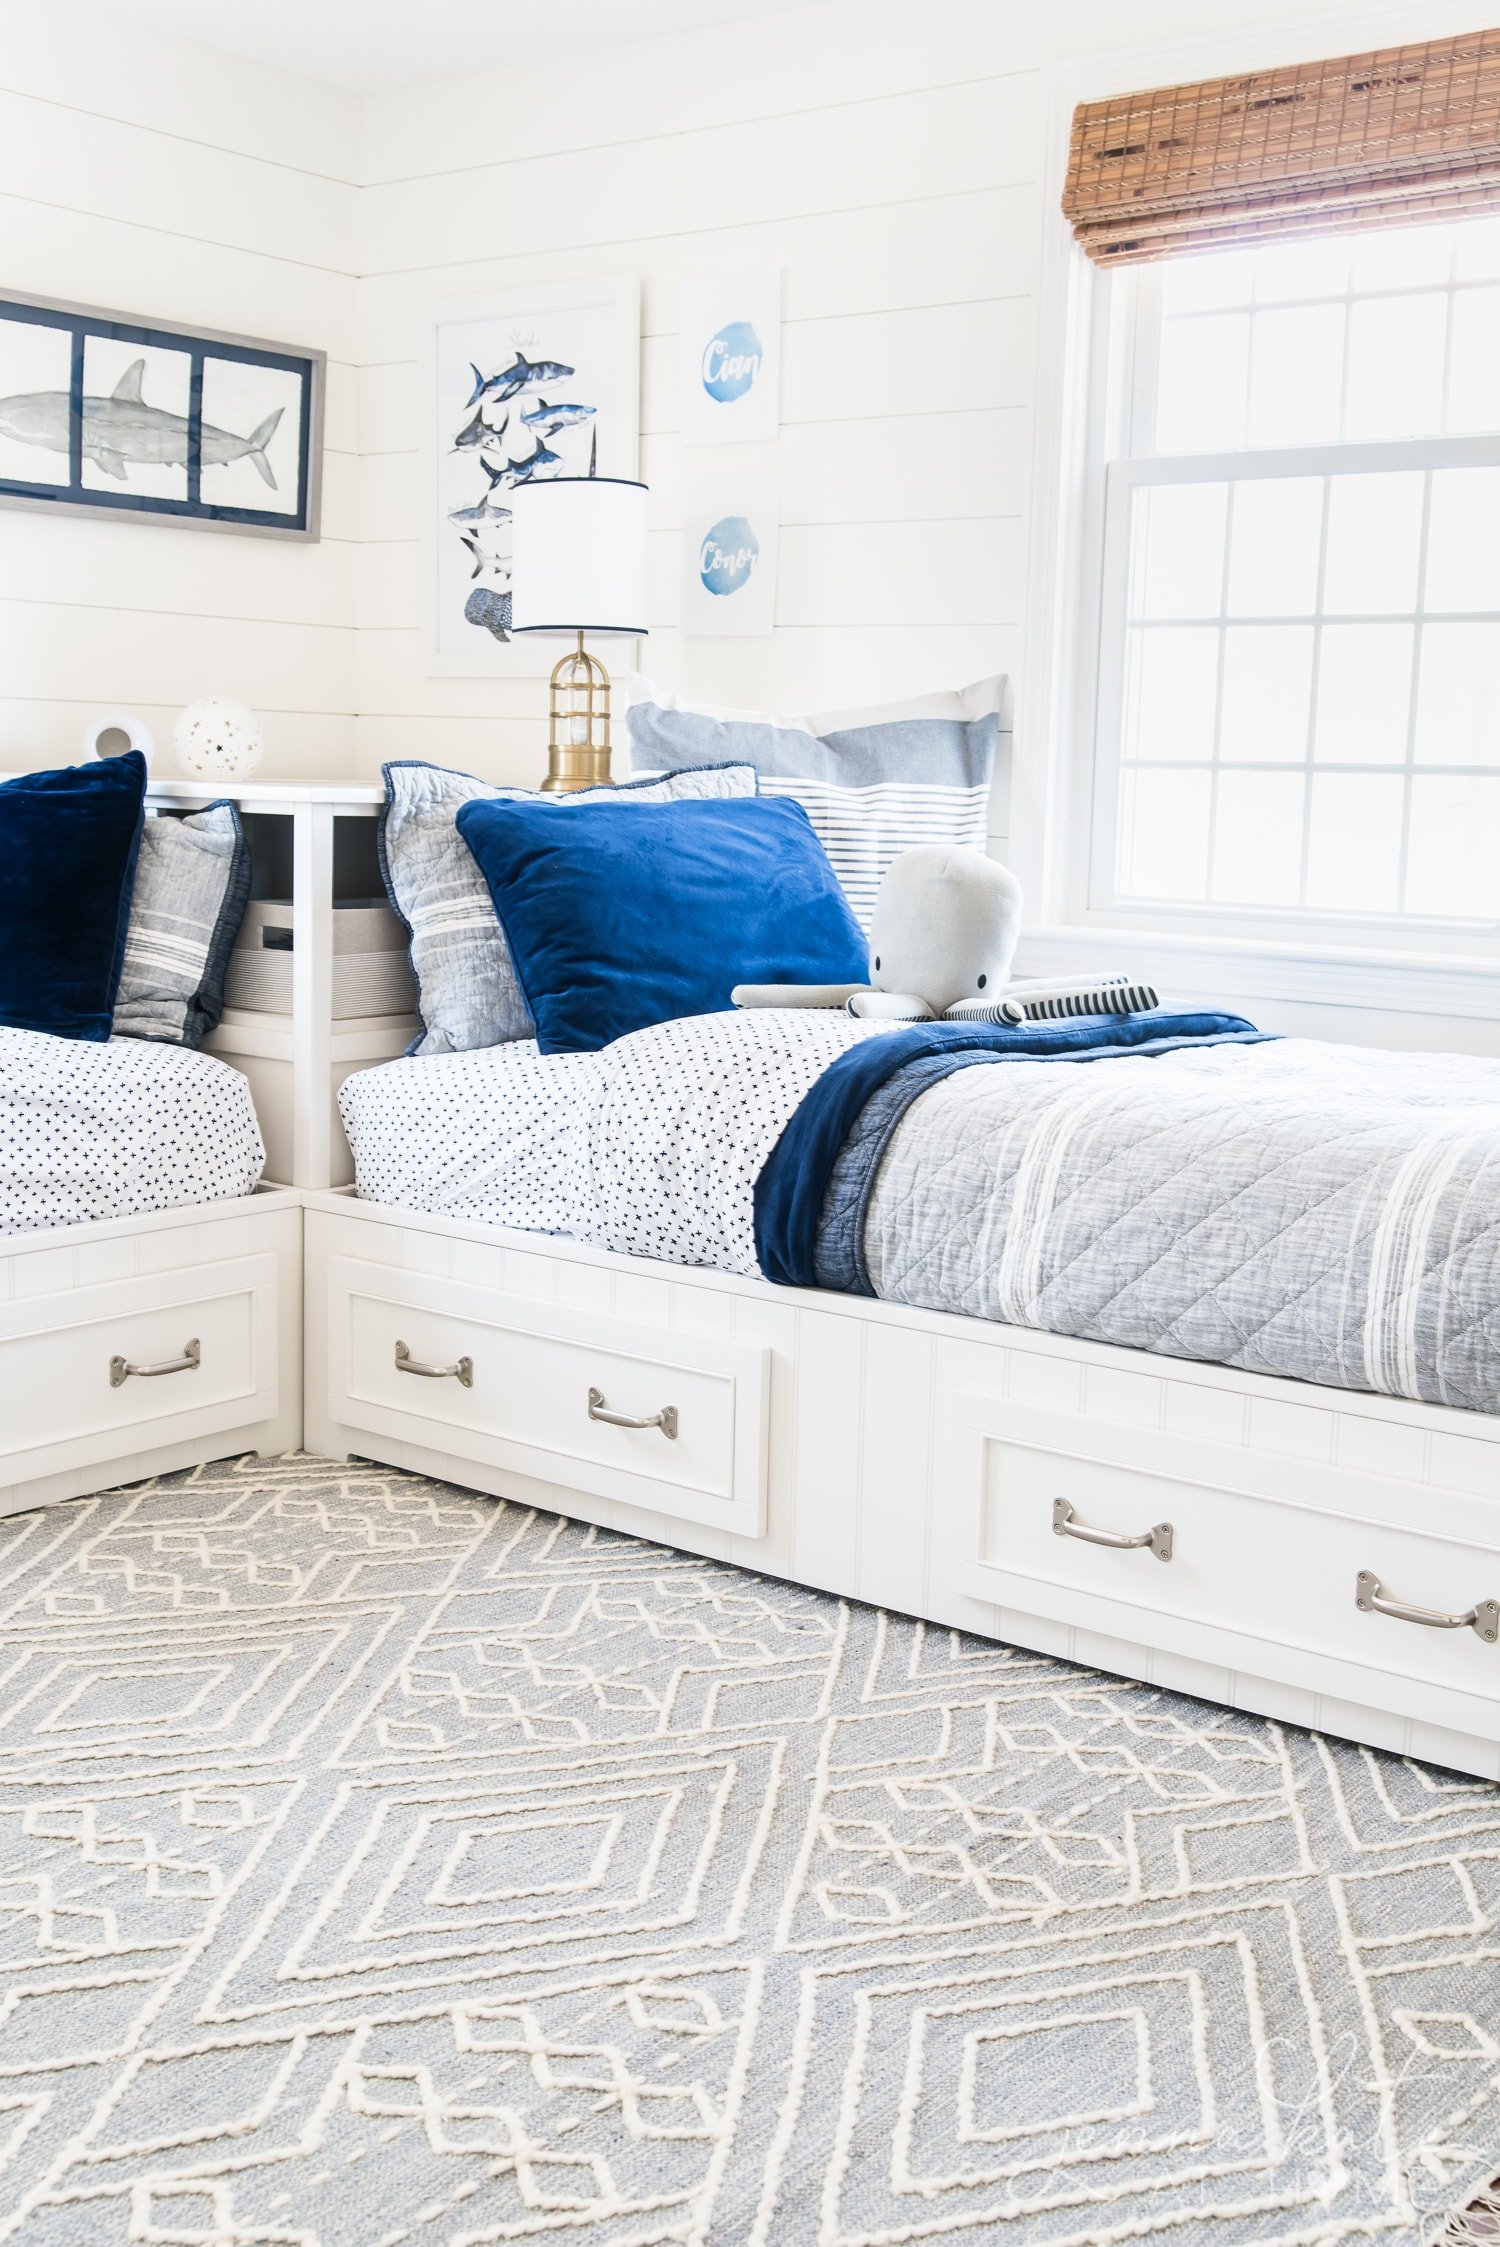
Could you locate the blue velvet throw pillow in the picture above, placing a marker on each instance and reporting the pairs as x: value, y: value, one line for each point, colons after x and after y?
x: 68, y: 843
x: 621, y: 918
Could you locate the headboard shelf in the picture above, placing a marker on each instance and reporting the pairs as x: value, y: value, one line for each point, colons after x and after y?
x: 312, y: 841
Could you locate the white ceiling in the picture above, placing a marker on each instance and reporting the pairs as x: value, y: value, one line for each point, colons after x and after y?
x: 367, y: 44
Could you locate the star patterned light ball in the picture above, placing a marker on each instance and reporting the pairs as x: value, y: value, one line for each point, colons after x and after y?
x: 218, y: 740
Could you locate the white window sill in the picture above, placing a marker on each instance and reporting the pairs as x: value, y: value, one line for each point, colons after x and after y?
x: 1219, y: 970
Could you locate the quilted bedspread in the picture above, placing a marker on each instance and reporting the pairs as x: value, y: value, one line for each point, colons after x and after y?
x: 1325, y: 1211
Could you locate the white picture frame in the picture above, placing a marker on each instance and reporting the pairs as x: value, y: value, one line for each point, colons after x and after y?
x: 590, y: 330
x: 729, y: 358
x: 730, y: 539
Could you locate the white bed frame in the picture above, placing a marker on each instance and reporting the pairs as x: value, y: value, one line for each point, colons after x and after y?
x: 1250, y: 1536
x: 917, y: 1460
x: 208, y: 1298
x: 85, y: 1310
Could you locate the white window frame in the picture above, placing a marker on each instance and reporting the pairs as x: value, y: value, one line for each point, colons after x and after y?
x: 1083, y: 401
x: 1103, y: 906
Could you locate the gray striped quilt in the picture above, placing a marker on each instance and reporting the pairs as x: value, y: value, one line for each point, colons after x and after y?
x: 1328, y: 1212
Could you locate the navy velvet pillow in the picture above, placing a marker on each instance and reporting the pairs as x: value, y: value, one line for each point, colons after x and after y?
x: 68, y: 842
x: 620, y: 917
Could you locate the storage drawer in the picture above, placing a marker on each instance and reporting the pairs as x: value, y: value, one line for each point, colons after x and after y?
x: 72, y: 1392
x: 1262, y: 1549
x: 547, y: 1391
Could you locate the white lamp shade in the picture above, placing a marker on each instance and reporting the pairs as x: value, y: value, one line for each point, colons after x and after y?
x: 579, y: 556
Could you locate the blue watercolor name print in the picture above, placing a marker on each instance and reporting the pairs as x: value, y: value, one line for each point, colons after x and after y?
x: 731, y: 361
x: 728, y: 555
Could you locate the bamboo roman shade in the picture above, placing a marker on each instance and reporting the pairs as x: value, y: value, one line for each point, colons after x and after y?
x: 1383, y: 139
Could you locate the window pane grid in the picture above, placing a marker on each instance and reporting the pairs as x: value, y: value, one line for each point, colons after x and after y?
x: 1220, y: 668
x: 1317, y: 824
x: 1260, y: 360
x: 1413, y: 694
x: 1299, y: 690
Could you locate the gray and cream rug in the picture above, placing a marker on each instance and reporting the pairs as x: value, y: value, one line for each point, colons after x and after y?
x: 383, y: 1865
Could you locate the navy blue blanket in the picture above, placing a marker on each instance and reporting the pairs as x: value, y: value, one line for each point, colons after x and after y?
x: 793, y: 1184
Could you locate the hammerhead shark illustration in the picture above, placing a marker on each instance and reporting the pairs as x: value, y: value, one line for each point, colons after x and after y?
x: 122, y: 428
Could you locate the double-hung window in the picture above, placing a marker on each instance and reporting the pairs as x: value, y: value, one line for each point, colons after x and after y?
x: 1298, y: 692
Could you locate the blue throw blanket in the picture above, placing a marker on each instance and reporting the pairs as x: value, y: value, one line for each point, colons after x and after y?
x: 844, y: 1124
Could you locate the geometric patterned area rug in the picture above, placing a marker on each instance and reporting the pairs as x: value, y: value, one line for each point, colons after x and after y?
x: 384, y: 1866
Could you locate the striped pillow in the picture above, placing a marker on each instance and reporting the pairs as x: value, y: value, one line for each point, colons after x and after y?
x: 873, y: 782
x: 192, y: 882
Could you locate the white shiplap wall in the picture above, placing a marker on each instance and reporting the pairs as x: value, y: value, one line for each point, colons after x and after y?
x: 889, y: 160
x: 159, y: 178
x: 886, y: 160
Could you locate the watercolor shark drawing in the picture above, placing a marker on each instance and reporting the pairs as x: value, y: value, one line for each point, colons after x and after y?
x: 521, y: 374
x: 480, y: 432
x: 490, y: 611
x: 122, y: 430
x: 548, y: 420
x: 483, y: 530
x: 486, y: 557
x: 485, y: 511
x: 538, y: 463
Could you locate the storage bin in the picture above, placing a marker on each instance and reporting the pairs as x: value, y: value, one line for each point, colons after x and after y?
x: 371, y: 969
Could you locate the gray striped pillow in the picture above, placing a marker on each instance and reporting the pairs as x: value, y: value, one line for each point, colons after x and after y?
x: 192, y: 882
x: 873, y: 782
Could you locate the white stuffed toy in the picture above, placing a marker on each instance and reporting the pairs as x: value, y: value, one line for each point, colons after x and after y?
x: 942, y: 939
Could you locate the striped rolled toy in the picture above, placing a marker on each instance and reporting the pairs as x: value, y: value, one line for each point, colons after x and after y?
x: 1060, y: 999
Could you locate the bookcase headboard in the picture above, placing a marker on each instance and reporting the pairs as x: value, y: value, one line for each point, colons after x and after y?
x: 313, y: 850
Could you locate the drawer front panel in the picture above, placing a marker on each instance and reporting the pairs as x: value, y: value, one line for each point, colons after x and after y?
x: 69, y: 1391
x: 1279, y: 1563
x: 516, y: 1382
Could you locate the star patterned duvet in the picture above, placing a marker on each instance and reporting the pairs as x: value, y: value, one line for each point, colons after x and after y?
x: 118, y: 1130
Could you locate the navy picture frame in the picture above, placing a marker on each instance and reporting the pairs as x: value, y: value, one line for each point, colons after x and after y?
x: 68, y: 494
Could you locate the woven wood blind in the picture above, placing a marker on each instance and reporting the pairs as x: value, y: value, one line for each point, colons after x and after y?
x: 1390, y: 138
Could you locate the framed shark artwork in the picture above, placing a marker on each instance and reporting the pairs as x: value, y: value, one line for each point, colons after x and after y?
x: 100, y: 413
x: 536, y: 383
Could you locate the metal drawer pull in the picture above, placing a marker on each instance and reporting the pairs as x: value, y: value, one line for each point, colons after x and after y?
x: 462, y: 1372
x: 666, y: 1419
x: 1065, y: 1523
x: 1483, y: 1618
x: 120, y: 1369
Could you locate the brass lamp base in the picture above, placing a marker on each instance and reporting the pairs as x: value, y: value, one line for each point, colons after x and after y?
x: 578, y: 739
x: 569, y: 768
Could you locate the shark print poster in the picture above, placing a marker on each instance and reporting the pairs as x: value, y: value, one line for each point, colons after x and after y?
x: 524, y: 389
x: 100, y: 412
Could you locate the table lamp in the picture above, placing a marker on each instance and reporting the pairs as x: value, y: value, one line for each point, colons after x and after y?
x: 579, y: 566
